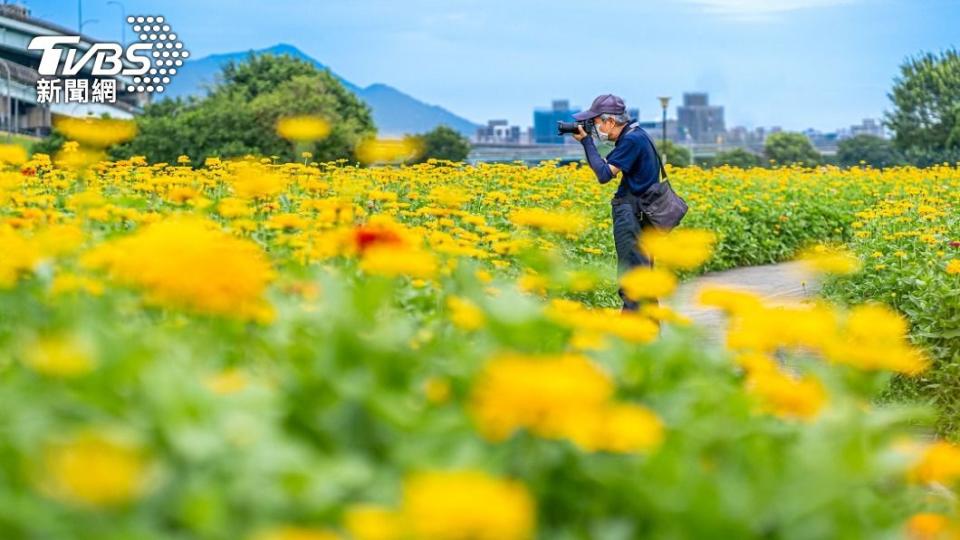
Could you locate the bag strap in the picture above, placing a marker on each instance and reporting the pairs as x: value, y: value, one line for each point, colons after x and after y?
x: 663, y: 171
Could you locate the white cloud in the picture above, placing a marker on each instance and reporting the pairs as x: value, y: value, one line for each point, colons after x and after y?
x: 761, y: 9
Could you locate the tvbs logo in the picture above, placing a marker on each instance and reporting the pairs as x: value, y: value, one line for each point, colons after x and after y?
x: 108, y: 58
x: 150, y: 61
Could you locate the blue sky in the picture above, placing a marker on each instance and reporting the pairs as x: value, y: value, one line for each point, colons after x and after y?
x: 794, y: 63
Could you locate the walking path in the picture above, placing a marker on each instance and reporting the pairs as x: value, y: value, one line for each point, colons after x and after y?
x: 783, y: 282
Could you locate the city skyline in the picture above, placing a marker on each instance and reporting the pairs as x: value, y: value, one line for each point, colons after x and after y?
x: 843, y: 54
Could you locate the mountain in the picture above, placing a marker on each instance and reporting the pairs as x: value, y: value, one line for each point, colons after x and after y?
x: 394, y: 112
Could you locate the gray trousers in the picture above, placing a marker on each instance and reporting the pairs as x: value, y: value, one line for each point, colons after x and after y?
x: 628, y: 224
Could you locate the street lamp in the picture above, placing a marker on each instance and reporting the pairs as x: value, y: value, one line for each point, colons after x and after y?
x: 123, y: 20
x: 664, y: 103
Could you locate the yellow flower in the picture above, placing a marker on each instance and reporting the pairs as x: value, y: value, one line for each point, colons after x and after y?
x: 939, y: 463
x: 19, y: 257
x: 369, y: 522
x: 953, y: 267
x: 289, y: 532
x: 465, y: 314
x: 370, y: 151
x: 467, y: 505
x: 191, y: 264
x: 827, y: 260
x: 558, y: 222
x: 303, y: 128
x: 12, y: 154
x: 60, y: 356
x: 681, y: 249
x: 618, y: 427
x: 785, y: 396
x: 94, y: 469
x: 645, y: 283
x: 874, y: 337
x: 929, y: 526
x: 386, y: 260
x: 536, y: 393
x: 97, y: 132
x: 728, y: 299
x: 228, y: 381
x: 253, y: 181
x: 437, y: 389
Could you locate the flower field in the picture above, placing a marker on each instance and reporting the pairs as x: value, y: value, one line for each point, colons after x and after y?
x: 300, y: 351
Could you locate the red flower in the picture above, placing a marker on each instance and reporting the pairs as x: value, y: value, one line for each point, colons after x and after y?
x: 955, y: 243
x: 28, y: 172
x: 366, y: 237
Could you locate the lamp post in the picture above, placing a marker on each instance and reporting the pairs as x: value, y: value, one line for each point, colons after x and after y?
x: 664, y: 103
x: 123, y: 20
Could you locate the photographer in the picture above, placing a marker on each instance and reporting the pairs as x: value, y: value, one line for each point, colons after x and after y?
x: 633, y: 156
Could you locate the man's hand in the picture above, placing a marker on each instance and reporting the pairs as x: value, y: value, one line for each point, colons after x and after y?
x: 581, y: 135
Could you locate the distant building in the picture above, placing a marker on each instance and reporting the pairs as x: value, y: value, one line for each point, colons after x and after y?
x: 545, y: 122
x: 655, y: 129
x: 499, y: 132
x: 698, y: 120
x: 869, y: 126
x: 821, y: 140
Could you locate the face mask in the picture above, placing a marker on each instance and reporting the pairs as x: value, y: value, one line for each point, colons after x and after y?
x: 602, y: 135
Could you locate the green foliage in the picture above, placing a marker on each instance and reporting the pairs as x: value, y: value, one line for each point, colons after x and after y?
x: 738, y: 157
x: 674, y: 154
x: 48, y: 145
x: 867, y: 149
x: 926, y: 116
x: 906, y: 249
x: 441, y: 143
x: 791, y: 149
x: 240, y: 113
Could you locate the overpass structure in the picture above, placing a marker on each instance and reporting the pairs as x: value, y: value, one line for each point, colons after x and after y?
x: 19, y: 110
x: 532, y: 154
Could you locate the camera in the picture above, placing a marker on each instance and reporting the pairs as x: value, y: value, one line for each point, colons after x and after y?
x: 571, y: 127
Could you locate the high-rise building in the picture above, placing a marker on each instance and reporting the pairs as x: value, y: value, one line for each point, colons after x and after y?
x: 499, y: 132
x: 545, y: 122
x: 698, y: 120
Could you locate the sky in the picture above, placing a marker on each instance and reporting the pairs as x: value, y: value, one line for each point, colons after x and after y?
x: 799, y: 64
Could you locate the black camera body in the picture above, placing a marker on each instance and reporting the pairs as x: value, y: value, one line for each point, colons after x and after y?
x: 571, y: 127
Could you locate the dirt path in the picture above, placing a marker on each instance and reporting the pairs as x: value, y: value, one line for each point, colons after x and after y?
x: 782, y: 282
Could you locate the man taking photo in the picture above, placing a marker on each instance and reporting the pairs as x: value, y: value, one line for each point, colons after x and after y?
x: 635, y: 159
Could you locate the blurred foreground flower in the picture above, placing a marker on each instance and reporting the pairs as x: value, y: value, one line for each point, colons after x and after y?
x: 12, y: 154
x: 60, y: 355
x: 95, y: 469
x: 939, y: 463
x: 683, y: 249
x: 558, y: 222
x: 303, y: 128
x: 648, y: 283
x: 563, y: 397
x: 191, y: 264
x: 96, y: 132
x: 829, y: 260
x: 288, y: 532
x: 374, y: 151
x: 467, y: 504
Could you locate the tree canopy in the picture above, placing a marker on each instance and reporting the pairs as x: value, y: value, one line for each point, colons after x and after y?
x: 240, y: 112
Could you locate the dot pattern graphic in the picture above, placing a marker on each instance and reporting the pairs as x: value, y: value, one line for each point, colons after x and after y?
x: 167, y: 55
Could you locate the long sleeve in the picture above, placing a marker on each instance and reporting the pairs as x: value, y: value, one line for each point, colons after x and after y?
x: 596, y: 162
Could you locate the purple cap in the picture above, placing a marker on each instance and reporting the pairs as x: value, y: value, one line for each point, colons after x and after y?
x: 605, y: 104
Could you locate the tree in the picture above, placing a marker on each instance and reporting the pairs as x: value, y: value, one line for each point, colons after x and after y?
x: 674, y: 154
x: 441, y: 143
x: 239, y: 115
x: 926, y: 107
x: 867, y: 149
x: 738, y: 157
x: 791, y: 149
